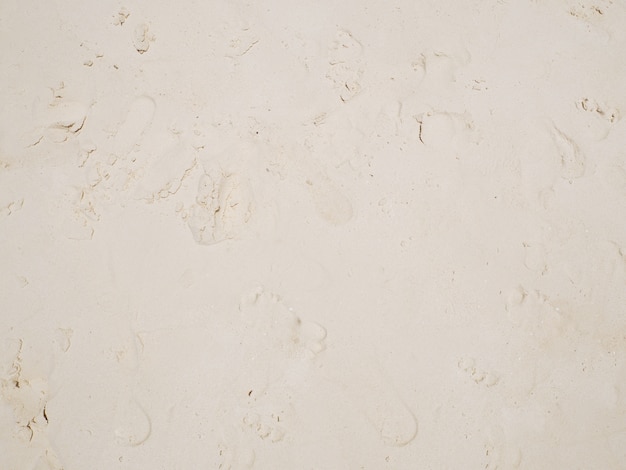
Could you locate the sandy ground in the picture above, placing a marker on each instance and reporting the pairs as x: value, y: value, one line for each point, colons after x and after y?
x: 313, y: 234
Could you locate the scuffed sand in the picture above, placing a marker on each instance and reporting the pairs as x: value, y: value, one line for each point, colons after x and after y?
x: 313, y: 235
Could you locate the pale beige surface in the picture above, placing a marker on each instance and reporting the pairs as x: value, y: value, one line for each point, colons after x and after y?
x: 313, y: 235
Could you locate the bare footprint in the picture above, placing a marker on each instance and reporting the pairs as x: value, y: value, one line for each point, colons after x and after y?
x: 367, y: 385
x: 330, y: 202
x: 572, y: 159
x: 277, y: 351
x: 280, y: 345
x: 345, y: 67
x: 442, y: 130
x: 224, y: 205
x: 137, y: 120
x: 275, y: 330
x: 165, y: 176
x: 236, y: 197
x: 134, y: 425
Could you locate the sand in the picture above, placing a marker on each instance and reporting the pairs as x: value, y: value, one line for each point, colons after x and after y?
x: 313, y: 235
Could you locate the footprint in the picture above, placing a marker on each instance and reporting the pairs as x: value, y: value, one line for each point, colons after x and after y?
x: 277, y: 329
x: 137, y: 120
x: 602, y: 118
x: 535, y: 257
x: 439, y: 67
x: 330, y: 202
x: 478, y: 375
x: 344, y: 48
x: 372, y: 393
x: 602, y: 111
x: 594, y: 18
x: 500, y: 453
x: 24, y: 391
x: 165, y: 176
x: 224, y: 205
x: 442, y: 130
x: 237, y: 196
x: 63, y: 338
x: 572, y: 159
x: 391, y: 417
x: 120, y: 18
x: 545, y: 320
x: 113, y: 167
x: 142, y: 38
x: 235, y: 455
x: 277, y: 350
x: 79, y: 223
x: 7, y: 209
x: 134, y: 425
x: 242, y: 42
x: 344, y: 54
x: 266, y: 426
x: 346, y: 78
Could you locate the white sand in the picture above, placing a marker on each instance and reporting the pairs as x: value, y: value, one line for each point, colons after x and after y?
x: 313, y: 235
